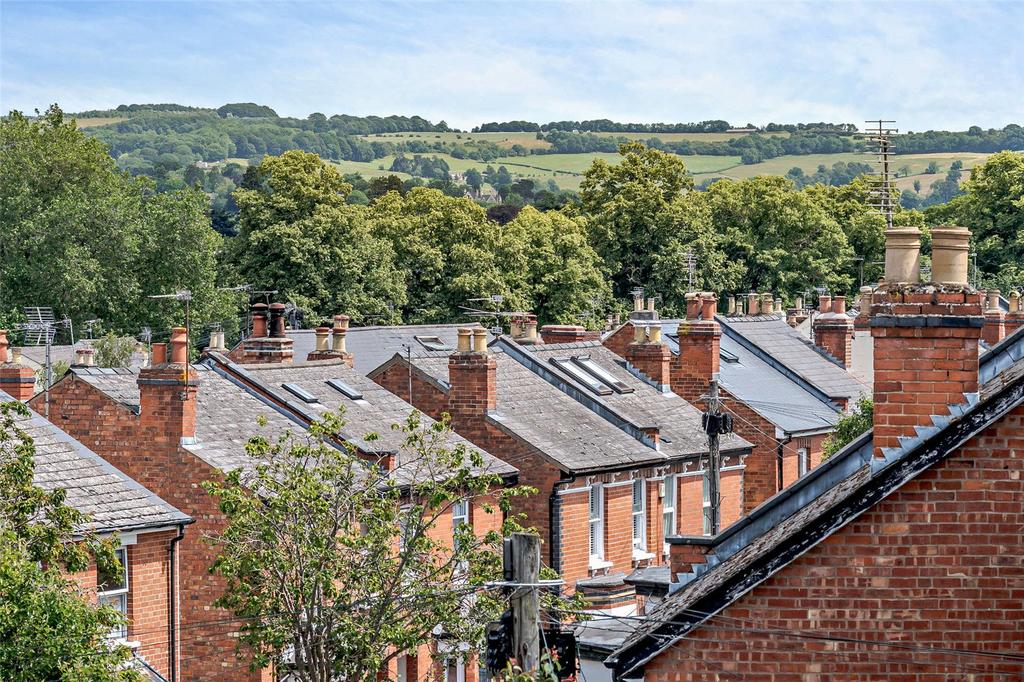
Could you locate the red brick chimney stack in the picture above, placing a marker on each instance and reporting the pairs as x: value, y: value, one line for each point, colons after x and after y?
x: 926, y: 336
x: 995, y: 320
x: 16, y: 379
x: 700, y: 339
x: 269, y: 343
x: 167, y: 394
x: 472, y: 379
x: 651, y: 356
x: 833, y: 329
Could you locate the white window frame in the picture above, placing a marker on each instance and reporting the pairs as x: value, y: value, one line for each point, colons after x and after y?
x: 803, y: 462
x: 596, y: 524
x: 460, y: 517
x: 118, y: 596
x: 459, y: 666
x: 706, y: 501
x: 639, y: 515
x: 670, y: 497
x: 402, y: 668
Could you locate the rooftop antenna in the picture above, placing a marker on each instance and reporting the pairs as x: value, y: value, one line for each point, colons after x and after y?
x: 691, y: 268
x: 90, y: 325
x: 879, y: 143
x: 40, y: 329
x: 185, y: 296
x: 496, y: 300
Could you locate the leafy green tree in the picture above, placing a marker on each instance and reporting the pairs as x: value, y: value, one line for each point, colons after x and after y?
x: 298, y: 235
x: 113, y: 350
x: 89, y: 241
x: 933, y: 167
x: 850, y: 426
x: 383, y: 184
x: 474, y: 179
x: 560, y: 273
x: 623, y: 203
x: 448, y: 251
x: 992, y: 206
x: 346, y: 563
x: 48, y: 628
x: 787, y: 241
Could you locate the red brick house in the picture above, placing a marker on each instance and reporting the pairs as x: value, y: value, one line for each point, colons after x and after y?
x: 785, y: 394
x: 616, y: 457
x: 175, y: 425
x: 901, y: 556
x: 149, y: 530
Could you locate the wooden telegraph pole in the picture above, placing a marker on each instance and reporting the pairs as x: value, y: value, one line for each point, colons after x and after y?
x: 525, y: 601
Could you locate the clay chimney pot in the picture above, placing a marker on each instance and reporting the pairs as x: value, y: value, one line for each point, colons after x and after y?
x: 479, y: 340
x: 655, y: 334
x: 465, y: 342
x: 709, y: 305
x: 3, y: 346
x: 639, y: 333
x: 731, y: 303
x: 839, y: 305
x: 753, y: 305
x: 321, y: 339
x: 949, y: 255
x: 824, y: 303
x: 1014, y: 302
x: 693, y: 305
x: 993, y: 301
x: 259, y: 320
x: 159, y: 354
x: 16, y: 356
x: 179, y: 346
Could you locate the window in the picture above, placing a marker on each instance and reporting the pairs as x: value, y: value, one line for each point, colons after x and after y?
x: 639, y: 516
x: 802, y: 461
x: 300, y: 393
x: 601, y: 374
x: 669, y: 493
x: 460, y: 517
x: 432, y: 343
x: 596, y: 523
x: 112, y: 589
x: 455, y: 670
x: 343, y: 388
x: 708, y: 511
x: 402, y: 665
x: 582, y: 376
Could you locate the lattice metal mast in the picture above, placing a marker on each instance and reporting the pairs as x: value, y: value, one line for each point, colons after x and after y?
x: 879, y: 139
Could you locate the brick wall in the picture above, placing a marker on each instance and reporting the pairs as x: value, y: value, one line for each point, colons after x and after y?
x: 761, y: 479
x: 690, y: 509
x: 834, y: 335
x: 149, y: 594
x: 142, y: 450
x: 619, y: 340
x: 935, y: 564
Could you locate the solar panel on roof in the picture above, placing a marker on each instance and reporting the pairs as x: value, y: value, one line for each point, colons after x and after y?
x: 343, y: 388
x: 300, y: 393
x: 601, y: 374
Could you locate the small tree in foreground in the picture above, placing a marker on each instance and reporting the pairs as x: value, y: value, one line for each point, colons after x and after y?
x: 48, y: 628
x: 339, y: 565
x: 849, y: 427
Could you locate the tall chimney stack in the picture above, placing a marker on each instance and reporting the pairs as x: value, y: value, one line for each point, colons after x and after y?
x: 926, y: 336
x: 269, y: 343
x: 650, y: 356
x: 472, y: 379
x: 700, y: 340
x: 833, y: 329
x: 16, y: 379
x: 167, y: 394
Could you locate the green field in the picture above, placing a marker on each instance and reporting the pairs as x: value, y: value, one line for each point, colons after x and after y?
x: 94, y: 122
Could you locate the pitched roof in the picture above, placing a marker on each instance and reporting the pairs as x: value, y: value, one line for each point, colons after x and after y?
x: 788, y: 402
x: 810, y: 510
x: 227, y: 414
x: 373, y: 346
x: 113, y: 500
x: 772, y: 338
x: 678, y: 422
x: 375, y: 412
x: 575, y: 438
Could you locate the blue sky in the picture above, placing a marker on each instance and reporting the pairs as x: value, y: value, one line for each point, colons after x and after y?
x: 926, y: 64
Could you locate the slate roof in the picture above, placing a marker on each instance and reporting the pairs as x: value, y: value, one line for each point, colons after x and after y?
x: 373, y: 346
x: 678, y: 422
x: 375, y: 413
x: 813, y: 508
x: 575, y: 438
x: 786, y: 403
x: 227, y: 414
x: 114, y: 501
x: 771, y: 335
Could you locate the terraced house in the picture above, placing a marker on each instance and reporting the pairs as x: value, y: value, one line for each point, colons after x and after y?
x: 174, y: 425
x: 616, y: 457
x: 147, y: 589
x: 900, y: 556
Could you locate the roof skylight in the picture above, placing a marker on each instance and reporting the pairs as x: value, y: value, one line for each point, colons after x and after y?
x: 601, y: 374
x: 343, y: 388
x: 432, y: 343
x: 582, y: 376
x: 300, y: 393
